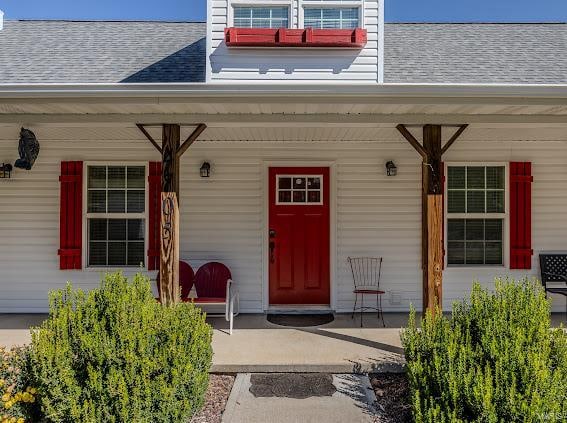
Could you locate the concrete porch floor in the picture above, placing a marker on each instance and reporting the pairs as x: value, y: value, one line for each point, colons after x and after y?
x: 257, y: 345
x: 341, y: 346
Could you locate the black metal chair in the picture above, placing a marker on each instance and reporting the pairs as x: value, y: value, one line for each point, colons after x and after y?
x: 553, y: 268
x: 366, y: 272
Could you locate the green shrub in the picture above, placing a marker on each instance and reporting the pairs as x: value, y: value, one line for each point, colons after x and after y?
x: 115, y: 354
x: 496, y: 359
x: 17, y: 395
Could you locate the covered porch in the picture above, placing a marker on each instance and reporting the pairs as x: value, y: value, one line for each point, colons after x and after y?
x: 225, y: 217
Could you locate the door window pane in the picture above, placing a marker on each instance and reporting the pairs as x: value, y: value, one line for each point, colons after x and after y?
x: 299, y: 189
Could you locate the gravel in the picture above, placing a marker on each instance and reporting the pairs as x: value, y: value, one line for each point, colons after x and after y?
x: 392, y: 397
x: 215, y: 399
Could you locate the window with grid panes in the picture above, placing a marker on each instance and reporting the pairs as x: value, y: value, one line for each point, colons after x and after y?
x: 331, y: 17
x: 261, y: 17
x: 116, y: 206
x: 475, y: 215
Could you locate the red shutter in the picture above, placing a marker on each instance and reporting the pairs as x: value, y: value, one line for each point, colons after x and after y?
x: 443, y: 183
x: 154, y: 194
x: 521, y: 215
x: 71, y: 216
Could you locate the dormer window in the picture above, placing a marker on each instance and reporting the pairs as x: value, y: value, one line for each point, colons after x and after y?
x: 331, y: 17
x: 261, y: 17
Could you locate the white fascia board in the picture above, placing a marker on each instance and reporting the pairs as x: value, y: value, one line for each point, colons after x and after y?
x: 277, y: 91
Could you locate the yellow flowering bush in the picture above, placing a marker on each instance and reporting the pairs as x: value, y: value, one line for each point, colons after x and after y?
x: 17, y: 398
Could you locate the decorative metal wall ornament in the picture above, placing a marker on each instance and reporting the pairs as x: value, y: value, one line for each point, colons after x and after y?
x: 28, y: 148
x: 5, y: 171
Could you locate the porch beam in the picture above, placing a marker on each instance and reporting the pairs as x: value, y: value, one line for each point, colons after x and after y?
x: 148, y: 136
x: 191, y: 139
x: 367, y: 120
x: 411, y: 139
x: 454, y: 138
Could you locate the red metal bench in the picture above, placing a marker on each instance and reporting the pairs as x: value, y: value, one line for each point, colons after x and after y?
x: 214, y: 286
x: 186, y: 280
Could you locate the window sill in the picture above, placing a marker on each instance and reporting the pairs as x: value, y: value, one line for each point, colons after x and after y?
x: 498, y: 267
x: 283, y: 37
x: 128, y: 269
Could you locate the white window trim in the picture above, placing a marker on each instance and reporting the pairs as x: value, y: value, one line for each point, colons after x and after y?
x: 505, y: 216
x: 261, y: 3
x: 297, y: 175
x: 87, y: 216
x: 303, y: 4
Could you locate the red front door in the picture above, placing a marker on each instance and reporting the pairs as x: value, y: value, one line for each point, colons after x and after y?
x: 299, y: 235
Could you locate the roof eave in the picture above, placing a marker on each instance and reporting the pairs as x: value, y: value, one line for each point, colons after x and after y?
x: 267, y: 90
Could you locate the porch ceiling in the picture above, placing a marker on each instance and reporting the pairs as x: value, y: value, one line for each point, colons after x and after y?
x: 117, y: 132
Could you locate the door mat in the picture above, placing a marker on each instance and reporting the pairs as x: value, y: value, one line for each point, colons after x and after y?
x: 292, y: 385
x: 301, y: 320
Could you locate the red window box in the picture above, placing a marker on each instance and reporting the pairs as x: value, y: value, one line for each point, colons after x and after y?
x: 283, y: 37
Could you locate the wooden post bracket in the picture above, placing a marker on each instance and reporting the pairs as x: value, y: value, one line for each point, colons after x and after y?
x: 186, y: 144
x: 417, y: 145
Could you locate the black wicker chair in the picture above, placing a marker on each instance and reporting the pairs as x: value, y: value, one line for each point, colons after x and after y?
x: 553, y: 268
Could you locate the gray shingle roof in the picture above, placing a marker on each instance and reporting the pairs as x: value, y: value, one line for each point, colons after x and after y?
x: 105, y: 51
x: 476, y: 53
x: 96, y: 51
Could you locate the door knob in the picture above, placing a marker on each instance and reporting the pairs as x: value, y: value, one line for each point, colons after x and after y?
x: 272, y: 233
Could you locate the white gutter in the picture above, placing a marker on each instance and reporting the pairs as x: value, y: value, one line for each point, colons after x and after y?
x: 295, y: 89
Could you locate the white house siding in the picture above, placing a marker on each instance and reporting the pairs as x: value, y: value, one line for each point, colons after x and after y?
x: 223, y: 217
x: 293, y: 64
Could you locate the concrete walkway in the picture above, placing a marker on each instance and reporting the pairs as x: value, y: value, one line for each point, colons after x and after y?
x: 257, y: 346
x: 353, y: 402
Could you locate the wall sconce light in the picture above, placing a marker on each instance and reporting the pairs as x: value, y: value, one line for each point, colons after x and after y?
x: 5, y: 171
x: 205, y: 170
x: 391, y: 169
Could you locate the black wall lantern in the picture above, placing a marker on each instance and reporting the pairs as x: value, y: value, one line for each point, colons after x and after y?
x: 205, y: 170
x: 5, y: 171
x: 391, y: 169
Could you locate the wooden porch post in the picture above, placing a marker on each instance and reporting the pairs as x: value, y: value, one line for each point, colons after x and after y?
x: 431, y: 209
x: 432, y: 203
x: 171, y: 151
x: 170, y: 292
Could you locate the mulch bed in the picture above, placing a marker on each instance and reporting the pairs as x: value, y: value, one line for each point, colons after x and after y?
x: 215, y: 399
x: 392, y: 397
